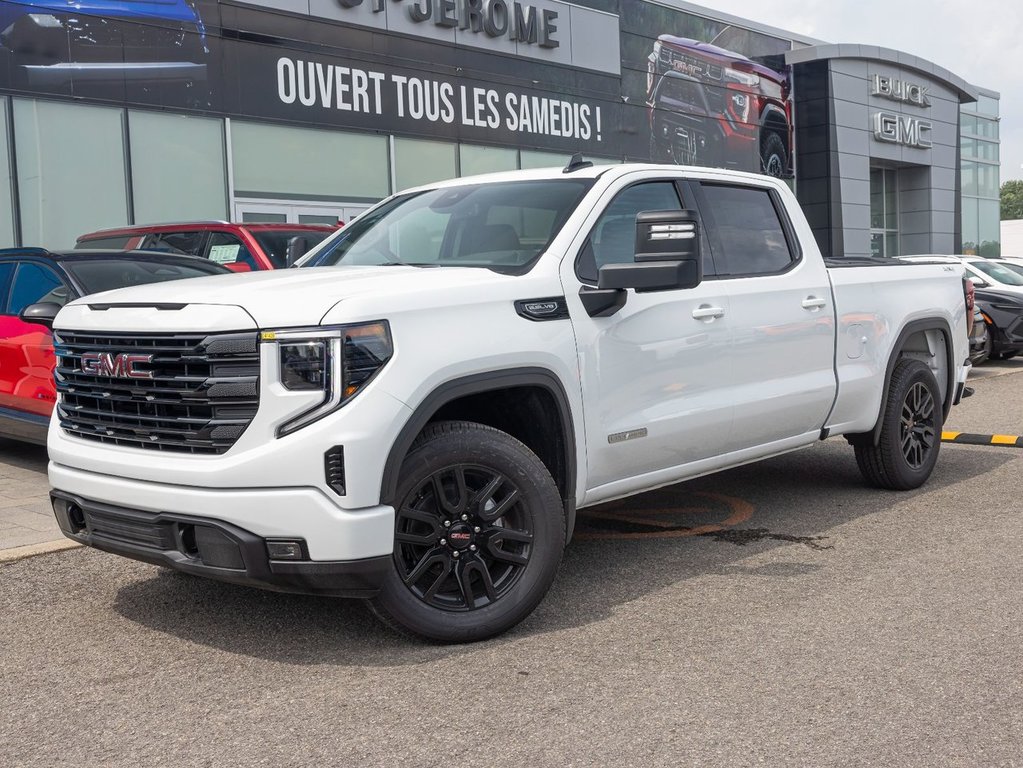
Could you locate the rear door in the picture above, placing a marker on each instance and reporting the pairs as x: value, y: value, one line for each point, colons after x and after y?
x: 782, y: 383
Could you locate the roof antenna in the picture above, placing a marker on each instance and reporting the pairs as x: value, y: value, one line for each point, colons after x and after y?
x: 577, y: 163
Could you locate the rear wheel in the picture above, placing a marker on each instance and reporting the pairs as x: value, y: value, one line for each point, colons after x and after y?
x: 479, y: 532
x: 910, y: 431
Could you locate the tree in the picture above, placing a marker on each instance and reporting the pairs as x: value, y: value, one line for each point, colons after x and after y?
x: 1012, y: 200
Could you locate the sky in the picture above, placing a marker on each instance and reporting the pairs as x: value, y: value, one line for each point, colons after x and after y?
x: 981, y: 41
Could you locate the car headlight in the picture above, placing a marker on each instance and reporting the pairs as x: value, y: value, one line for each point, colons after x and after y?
x: 743, y: 78
x: 336, y: 361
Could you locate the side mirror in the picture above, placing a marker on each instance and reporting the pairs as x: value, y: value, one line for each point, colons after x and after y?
x: 667, y: 254
x: 41, y: 314
x: 297, y: 246
x: 978, y: 282
x: 667, y: 257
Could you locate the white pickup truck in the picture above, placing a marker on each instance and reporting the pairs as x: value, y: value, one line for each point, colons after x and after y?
x: 416, y: 414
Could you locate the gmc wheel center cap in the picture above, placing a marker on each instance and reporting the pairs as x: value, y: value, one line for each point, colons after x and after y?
x: 459, y: 536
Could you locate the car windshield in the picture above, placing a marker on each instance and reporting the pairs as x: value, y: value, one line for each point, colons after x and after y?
x: 96, y: 275
x: 503, y: 226
x: 999, y: 273
x: 275, y: 242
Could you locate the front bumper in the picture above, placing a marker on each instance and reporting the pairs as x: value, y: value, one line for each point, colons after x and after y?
x: 212, y: 548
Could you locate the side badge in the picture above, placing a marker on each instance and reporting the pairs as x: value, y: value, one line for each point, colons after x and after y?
x: 621, y: 437
x: 538, y: 310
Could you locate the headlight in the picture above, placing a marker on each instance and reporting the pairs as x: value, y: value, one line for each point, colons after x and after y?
x: 337, y: 361
x: 744, y: 78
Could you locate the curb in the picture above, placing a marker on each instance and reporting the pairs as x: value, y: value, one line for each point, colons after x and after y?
x: 966, y: 438
x: 31, y: 550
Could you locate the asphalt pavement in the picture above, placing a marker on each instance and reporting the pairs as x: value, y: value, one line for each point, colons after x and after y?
x: 777, y: 614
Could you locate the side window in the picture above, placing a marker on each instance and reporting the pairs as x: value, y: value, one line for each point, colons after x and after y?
x: 6, y: 277
x: 226, y: 248
x: 750, y: 237
x: 34, y: 283
x: 613, y: 238
x: 187, y: 243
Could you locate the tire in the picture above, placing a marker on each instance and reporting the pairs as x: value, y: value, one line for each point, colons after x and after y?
x: 773, y: 155
x: 910, y: 437
x: 460, y: 579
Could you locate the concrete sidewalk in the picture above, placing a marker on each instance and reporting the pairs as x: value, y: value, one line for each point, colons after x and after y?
x: 27, y: 525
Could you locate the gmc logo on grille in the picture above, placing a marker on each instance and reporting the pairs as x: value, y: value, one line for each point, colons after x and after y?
x: 121, y: 365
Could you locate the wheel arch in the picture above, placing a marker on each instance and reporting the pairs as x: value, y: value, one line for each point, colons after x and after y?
x: 914, y: 334
x: 467, y: 398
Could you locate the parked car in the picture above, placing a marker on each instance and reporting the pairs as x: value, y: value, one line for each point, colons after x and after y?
x: 416, y: 420
x: 1002, y: 312
x: 30, y: 277
x: 239, y: 247
x: 980, y: 338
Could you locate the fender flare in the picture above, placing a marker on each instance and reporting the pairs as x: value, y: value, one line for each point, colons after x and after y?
x: 915, y: 326
x: 472, y: 385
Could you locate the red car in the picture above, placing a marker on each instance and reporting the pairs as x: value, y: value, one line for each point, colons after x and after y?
x: 239, y: 247
x: 36, y: 283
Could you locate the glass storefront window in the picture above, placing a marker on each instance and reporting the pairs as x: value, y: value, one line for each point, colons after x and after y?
x: 530, y: 158
x: 418, y: 162
x: 177, y: 167
x: 473, y: 160
x: 71, y: 174
x: 307, y: 163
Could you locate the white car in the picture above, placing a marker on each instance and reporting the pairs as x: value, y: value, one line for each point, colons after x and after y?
x: 1003, y: 274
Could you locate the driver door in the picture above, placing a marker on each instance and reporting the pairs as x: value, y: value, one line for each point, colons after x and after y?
x: 655, y: 374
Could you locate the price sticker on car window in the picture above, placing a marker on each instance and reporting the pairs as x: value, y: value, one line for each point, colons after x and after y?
x: 224, y: 254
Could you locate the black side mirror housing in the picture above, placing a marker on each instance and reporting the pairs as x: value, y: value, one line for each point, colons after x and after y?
x: 41, y: 314
x: 667, y: 255
x: 297, y: 246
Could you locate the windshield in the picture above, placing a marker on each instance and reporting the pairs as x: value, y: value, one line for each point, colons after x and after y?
x: 998, y: 273
x: 503, y: 226
x: 275, y: 242
x: 98, y: 275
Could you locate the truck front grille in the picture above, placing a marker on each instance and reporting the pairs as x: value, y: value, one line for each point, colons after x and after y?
x: 184, y: 393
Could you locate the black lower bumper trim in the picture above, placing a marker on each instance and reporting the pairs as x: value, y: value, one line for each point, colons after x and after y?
x: 224, y: 552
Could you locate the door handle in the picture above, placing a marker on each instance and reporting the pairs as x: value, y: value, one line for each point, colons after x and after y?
x: 812, y: 303
x: 707, y: 312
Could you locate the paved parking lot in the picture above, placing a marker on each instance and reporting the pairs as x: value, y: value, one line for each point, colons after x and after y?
x: 779, y: 614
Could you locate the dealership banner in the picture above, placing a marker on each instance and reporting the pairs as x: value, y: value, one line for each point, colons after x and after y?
x: 651, y: 83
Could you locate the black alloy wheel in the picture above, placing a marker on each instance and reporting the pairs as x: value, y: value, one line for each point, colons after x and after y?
x: 478, y: 535
x: 463, y: 537
x: 917, y: 430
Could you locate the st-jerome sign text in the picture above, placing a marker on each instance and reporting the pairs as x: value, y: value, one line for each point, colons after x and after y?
x: 495, y: 18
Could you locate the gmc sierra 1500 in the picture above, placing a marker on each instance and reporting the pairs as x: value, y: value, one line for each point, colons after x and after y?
x: 416, y: 415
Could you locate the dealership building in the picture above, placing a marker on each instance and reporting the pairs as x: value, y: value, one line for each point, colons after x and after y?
x: 312, y: 110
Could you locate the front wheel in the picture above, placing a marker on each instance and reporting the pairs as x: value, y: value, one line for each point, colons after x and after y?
x: 479, y: 532
x: 910, y: 439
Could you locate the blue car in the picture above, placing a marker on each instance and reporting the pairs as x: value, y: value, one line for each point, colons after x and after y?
x: 90, y: 44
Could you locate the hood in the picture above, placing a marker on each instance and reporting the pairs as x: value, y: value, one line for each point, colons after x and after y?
x: 300, y: 297
x: 722, y: 55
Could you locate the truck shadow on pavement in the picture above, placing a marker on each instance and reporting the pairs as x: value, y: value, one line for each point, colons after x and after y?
x: 794, y: 502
